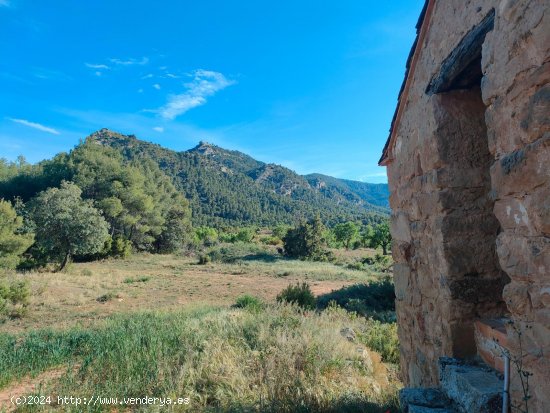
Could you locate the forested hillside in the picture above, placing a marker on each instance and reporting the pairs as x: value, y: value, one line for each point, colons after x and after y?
x: 223, y: 188
x: 231, y: 188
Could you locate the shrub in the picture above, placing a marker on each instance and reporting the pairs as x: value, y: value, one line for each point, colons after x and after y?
x: 355, y: 266
x: 245, y: 235
x: 142, y: 279
x: 306, y: 241
x: 14, y: 298
x: 236, y: 252
x: 206, y: 235
x: 204, y: 259
x: 299, y: 294
x: 376, y: 299
x: 382, y: 338
x: 270, y: 240
x: 121, y: 247
x: 106, y: 297
x: 249, y: 302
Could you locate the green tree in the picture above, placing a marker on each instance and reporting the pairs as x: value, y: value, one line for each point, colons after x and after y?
x: 176, y: 231
x: 346, y: 233
x: 306, y: 241
x: 367, y: 233
x: 382, y: 237
x: 67, y: 225
x: 12, y: 243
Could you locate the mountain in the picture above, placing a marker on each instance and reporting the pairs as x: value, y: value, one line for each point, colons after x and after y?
x: 227, y: 187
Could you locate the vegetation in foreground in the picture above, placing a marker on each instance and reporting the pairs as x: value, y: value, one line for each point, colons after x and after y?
x: 278, y: 348
x: 278, y: 358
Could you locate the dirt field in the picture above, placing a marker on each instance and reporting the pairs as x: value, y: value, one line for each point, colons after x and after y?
x: 88, y: 292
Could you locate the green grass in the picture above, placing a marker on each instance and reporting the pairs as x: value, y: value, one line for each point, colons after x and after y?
x: 141, y: 279
x: 279, y: 359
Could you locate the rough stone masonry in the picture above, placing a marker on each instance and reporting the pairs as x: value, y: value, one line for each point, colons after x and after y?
x: 468, y: 163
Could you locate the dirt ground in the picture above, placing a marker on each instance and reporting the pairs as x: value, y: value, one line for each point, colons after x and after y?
x: 88, y: 292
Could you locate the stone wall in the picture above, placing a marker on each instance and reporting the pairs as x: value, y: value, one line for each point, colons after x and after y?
x: 517, y: 94
x: 470, y: 193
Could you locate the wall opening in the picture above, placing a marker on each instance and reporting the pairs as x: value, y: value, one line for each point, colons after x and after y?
x: 473, y: 280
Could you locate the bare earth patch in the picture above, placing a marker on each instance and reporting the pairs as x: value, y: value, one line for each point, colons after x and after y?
x: 89, y: 292
x: 28, y: 386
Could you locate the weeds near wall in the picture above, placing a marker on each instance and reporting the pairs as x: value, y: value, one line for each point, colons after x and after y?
x: 517, y: 362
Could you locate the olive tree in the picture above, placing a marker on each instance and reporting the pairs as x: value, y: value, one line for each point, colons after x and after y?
x: 67, y: 225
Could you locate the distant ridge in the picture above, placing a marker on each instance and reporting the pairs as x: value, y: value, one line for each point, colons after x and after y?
x: 228, y: 187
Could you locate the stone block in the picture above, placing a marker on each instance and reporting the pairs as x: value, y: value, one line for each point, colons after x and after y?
x: 400, y: 229
x: 423, y: 409
x: 523, y: 257
x: 401, y: 275
x: 522, y: 171
x: 473, y: 388
x: 427, y: 397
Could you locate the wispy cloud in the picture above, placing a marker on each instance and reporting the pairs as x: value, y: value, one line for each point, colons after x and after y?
x: 205, y: 83
x: 97, y: 66
x: 147, y: 76
x: 130, y: 62
x: 35, y: 125
x: 158, y: 129
x: 4, y: 3
x: 49, y: 74
x: 156, y: 86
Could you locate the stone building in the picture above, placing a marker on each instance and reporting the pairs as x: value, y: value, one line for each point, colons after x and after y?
x: 468, y: 164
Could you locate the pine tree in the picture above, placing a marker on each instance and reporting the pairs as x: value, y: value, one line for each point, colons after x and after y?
x: 12, y: 243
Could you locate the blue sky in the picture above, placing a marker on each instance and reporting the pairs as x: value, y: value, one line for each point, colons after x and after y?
x: 311, y: 85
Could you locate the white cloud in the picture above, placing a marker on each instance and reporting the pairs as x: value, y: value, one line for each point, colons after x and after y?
x: 98, y: 73
x: 205, y: 83
x: 35, y: 125
x: 158, y: 129
x: 140, y: 90
x: 148, y: 76
x: 129, y: 62
x: 156, y: 86
x: 171, y: 75
x: 96, y: 66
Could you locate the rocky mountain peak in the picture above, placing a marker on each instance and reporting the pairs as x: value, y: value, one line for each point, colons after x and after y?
x: 106, y: 136
x: 204, y: 148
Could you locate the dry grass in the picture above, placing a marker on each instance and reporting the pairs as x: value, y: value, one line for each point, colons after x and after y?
x: 167, y: 282
x: 279, y: 359
x: 160, y: 325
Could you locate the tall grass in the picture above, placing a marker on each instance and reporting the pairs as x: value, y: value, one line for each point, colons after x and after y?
x: 280, y: 359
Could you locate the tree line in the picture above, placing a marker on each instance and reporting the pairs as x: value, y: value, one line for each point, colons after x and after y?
x: 94, y: 202
x: 87, y: 204
x: 310, y: 239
